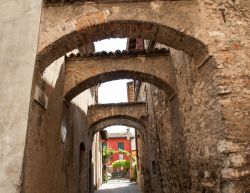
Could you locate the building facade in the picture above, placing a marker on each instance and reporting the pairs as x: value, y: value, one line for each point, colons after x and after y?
x: 120, y: 141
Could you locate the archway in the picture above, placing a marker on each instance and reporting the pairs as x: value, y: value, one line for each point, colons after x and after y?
x: 135, y: 112
x: 90, y: 27
x: 127, y: 114
x: 120, y: 147
x: 95, y: 26
x: 83, y: 72
x: 111, y: 121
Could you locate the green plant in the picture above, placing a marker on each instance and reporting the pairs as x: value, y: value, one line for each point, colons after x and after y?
x: 134, y: 159
x: 107, y: 152
x: 121, y: 163
x: 123, y: 152
x: 105, y: 178
x: 134, y: 169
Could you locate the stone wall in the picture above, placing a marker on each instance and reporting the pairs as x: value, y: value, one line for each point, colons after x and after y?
x: 186, y: 128
x: 229, y: 42
x: 199, y: 121
x: 130, y: 91
x: 143, y: 174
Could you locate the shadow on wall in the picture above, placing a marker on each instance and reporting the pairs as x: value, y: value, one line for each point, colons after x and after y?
x: 51, y: 165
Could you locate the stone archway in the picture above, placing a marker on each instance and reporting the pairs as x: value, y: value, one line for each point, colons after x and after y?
x: 89, y: 27
x: 111, y: 121
x: 129, y: 114
x: 83, y: 72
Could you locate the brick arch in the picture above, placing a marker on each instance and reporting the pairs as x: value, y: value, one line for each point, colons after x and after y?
x: 117, y: 120
x: 99, y: 25
x: 100, y: 114
x: 83, y: 72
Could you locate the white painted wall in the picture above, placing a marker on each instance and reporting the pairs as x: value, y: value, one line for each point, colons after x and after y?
x: 19, y: 28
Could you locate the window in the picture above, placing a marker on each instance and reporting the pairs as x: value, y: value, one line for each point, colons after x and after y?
x: 81, y: 158
x: 120, y: 156
x: 121, y: 145
x: 153, y: 167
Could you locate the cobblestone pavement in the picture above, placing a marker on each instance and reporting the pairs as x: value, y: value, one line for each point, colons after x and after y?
x: 121, y: 186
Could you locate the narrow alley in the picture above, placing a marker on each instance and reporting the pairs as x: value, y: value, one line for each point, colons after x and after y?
x: 125, y: 96
x: 118, y: 186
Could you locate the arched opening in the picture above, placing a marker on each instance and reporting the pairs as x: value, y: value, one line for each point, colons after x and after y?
x: 103, y: 116
x: 154, y: 170
x: 75, y: 36
x: 120, y: 156
x: 114, y: 120
x: 49, y: 52
x: 81, y: 164
x: 123, y: 121
x: 117, y: 75
x: 100, y: 113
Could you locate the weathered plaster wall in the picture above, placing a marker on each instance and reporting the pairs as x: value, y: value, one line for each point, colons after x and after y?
x: 19, y: 29
x: 149, y: 180
x: 79, y: 129
x: 49, y: 164
x: 97, y: 161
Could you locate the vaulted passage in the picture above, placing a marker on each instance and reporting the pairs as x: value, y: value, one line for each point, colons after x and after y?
x: 183, y: 126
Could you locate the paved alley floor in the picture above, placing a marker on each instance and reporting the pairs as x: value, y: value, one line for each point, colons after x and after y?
x: 118, y: 186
